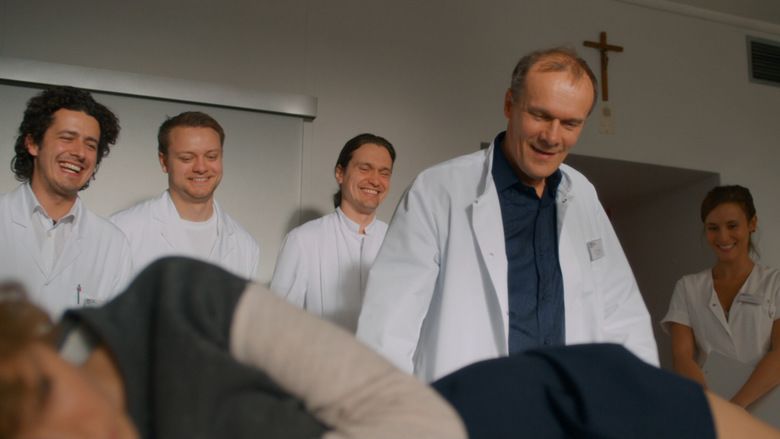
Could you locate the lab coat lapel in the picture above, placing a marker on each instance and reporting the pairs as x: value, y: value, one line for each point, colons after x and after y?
x: 226, y: 240
x: 329, y: 247
x: 562, y: 199
x: 573, y: 280
x: 22, y: 221
x: 488, y: 231
x: 165, y: 215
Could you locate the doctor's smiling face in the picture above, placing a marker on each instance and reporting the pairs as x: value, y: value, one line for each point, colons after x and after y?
x: 193, y: 163
x: 62, y: 139
x: 365, y: 181
x: 546, y: 112
x: 65, y: 158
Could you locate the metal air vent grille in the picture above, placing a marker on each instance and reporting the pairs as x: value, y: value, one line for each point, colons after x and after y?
x: 764, y: 61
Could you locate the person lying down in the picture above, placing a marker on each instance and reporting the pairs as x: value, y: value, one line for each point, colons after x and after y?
x: 191, y: 351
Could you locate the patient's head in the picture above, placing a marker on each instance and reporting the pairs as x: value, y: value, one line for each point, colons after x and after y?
x: 41, y: 395
x: 22, y: 326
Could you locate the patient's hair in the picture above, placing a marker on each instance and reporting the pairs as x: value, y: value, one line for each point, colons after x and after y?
x: 21, y: 325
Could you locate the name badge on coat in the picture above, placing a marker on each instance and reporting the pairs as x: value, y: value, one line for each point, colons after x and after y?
x: 595, y: 249
x: 749, y: 298
x: 752, y: 299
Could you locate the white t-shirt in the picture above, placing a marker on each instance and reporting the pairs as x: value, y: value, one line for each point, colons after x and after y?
x: 156, y: 230
x: 199, y: 237
x: 746, y: 334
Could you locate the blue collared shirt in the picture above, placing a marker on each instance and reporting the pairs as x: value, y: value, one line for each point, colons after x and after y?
x: 535, y: 283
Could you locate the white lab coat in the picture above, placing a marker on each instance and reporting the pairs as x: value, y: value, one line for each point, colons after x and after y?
x: 323, y: 266
x: 152, y: 228
x: 94, y: 265
x: 436, y: 298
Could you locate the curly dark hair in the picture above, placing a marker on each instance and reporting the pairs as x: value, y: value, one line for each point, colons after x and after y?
x: 39, y: 115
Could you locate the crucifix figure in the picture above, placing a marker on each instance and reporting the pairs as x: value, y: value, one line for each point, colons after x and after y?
x: 602, y: 46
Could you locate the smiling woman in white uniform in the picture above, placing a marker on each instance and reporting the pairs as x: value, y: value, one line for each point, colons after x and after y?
x: 730, y: 308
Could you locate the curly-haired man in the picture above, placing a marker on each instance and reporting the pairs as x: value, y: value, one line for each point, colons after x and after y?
x: 65, y: 255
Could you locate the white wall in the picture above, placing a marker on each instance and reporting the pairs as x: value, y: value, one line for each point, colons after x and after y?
x: 430, y: 75
x: 258, y: 147
x: 663, y: 240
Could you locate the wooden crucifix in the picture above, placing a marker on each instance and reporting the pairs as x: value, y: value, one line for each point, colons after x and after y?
x: 602, y: 46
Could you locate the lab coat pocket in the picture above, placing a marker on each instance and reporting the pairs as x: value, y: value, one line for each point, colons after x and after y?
x: 86, y: 297
x: 768, y: 309
x: 91, y: 301
x: 576, y: 267
x: 595, y: 249
x: 579, y: 292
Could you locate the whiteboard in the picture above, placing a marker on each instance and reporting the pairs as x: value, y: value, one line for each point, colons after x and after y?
x: 261, y: 186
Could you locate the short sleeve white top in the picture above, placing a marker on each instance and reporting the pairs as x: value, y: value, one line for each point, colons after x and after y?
x: 745, y: 334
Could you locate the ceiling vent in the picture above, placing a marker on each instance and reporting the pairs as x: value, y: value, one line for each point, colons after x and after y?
x: 764, y: 61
